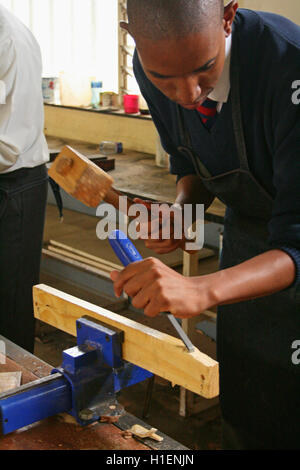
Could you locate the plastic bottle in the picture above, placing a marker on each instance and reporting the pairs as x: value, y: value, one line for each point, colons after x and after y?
x: 110, y: 148
x: 96, y: 90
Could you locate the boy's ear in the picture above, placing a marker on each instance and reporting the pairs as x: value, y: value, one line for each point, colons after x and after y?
x: 229, y: 15
x: 124, y: 25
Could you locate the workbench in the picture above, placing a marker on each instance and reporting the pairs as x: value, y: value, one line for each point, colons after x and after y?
x: 137, y: 175
x: 60, y: 432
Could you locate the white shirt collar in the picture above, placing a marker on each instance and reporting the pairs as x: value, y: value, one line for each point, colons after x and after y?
x: 221, y: 91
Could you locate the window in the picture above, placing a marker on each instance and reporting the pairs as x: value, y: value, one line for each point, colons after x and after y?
x: 77, y: 37
x: 127, y: 82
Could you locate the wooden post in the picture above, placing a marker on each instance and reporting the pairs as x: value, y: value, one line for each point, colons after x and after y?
x: 190, y: 268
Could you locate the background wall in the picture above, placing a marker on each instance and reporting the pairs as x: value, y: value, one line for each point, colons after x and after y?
x: 288, y: 8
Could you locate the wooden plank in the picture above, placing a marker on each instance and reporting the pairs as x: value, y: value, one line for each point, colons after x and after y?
x: 153, y: 350
x: 76, y: 264
x: 84, y: 254
x: 202, y: 254
x: 81, y: 259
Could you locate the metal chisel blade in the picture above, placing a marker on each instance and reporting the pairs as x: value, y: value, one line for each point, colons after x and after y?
x: 189, y: 345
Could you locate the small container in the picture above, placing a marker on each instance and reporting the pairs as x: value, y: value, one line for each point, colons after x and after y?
x: 51, y: 90
x: 106, y: 99
x: 96, y: 90
x: 131, y: 104
x: 110, y: 148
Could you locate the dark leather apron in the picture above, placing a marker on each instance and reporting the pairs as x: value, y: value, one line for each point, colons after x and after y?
x: 259, y: 384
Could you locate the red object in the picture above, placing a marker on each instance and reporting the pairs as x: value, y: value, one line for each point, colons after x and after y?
x: 211, y: 112
x: 131, y: 104
x: 208, y: 112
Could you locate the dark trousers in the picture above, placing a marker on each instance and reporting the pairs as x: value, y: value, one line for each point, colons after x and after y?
x: 23, y: 195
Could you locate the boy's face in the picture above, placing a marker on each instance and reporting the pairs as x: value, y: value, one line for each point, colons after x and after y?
x: 185, y: 70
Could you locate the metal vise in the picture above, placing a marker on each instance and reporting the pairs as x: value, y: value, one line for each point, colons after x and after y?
x: 85, y: 386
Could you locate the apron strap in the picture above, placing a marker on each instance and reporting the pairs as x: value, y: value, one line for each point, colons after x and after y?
x: 201, y: 170
x: 236, y: 107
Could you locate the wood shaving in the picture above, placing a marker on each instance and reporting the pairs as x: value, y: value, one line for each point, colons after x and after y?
x: 142, y: 432
x: 9, y: 381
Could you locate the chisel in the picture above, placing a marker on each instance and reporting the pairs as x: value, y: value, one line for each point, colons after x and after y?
x: 127, y: 253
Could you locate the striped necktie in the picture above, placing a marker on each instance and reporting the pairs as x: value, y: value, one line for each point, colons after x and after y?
x: 208, y: 112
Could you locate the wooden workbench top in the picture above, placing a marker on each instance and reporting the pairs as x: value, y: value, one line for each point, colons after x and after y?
x: 136, y: 174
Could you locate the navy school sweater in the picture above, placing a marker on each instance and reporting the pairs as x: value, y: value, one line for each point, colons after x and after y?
x: 269, y: 61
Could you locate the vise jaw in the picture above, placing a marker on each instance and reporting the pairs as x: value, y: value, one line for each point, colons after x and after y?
x: 96, y: 371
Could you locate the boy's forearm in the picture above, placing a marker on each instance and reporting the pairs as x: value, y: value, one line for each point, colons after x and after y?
x: 263, y: 275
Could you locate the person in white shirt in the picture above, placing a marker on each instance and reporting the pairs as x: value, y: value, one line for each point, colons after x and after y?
x: 23, y: 177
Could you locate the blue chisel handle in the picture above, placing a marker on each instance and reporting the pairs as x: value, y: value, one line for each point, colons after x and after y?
x: 127, y: 253
x: 124, y: 248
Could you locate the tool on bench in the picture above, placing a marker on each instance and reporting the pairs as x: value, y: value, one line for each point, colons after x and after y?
x: 127, y: 253
x: 85, y: 386
x: 103, y: 162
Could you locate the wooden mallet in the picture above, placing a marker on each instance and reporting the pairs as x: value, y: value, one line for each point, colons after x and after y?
x: 84, y: 180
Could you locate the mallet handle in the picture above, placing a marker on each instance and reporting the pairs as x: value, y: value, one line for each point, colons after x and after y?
x: 112, y: 197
